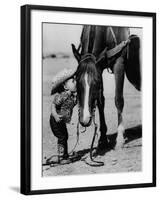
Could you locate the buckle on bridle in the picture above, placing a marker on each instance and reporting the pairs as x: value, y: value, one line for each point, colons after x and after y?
x: 87, y: 56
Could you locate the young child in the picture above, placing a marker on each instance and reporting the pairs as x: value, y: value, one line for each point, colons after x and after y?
x: 64, y: 100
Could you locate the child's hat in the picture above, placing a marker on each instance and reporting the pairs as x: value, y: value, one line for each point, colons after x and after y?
x: 61, y: 77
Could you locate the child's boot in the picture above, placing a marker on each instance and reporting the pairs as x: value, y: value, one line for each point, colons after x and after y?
x: 62, y: 154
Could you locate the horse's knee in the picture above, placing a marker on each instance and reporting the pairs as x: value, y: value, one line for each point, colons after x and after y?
x: 119, y: 66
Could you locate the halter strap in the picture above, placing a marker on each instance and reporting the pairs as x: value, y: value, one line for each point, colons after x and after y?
x: 87, y: 56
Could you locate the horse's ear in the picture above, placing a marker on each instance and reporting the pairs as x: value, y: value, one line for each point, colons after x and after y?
x: 76, y: 53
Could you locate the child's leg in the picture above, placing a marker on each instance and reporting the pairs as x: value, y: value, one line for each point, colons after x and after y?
x: 62, y: 140
x: 59, y: 129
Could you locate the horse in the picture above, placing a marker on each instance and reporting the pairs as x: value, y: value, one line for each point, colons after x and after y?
x: 112, y: 48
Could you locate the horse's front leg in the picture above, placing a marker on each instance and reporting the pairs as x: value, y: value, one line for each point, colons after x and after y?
x: 103, y: 142
x: 119, y: 100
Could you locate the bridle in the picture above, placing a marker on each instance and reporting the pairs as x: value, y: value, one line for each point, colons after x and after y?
x: 94, y: 162
x: 87, y: 56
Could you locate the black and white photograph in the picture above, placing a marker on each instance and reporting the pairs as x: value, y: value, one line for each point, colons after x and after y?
x: 92, y: 120
x: 88, y: 99
x: 79, y: 100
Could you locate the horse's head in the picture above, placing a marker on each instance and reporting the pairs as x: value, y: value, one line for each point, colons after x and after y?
x: 88, y: 87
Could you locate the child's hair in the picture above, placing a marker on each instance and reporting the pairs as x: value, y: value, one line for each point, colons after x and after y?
x: 59, y: 89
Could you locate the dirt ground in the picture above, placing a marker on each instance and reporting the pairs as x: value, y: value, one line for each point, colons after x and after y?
x: 123, y: 160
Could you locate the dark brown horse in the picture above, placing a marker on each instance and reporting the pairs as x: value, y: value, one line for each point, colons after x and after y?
x: 112, y: 48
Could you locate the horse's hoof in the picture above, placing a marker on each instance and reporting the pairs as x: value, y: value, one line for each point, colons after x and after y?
x: 103, y: 144
x: 119, y: 142
x: 119, y: 146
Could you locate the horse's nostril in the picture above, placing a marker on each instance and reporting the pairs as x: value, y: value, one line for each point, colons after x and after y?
x: 86, y: 122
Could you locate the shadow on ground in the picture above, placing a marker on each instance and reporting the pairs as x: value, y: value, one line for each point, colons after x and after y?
x: 130, y: 135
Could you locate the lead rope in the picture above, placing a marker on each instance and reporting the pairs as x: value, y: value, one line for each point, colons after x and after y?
x: 77, y: 141
x: 71, y: 152
x: 95, y: 162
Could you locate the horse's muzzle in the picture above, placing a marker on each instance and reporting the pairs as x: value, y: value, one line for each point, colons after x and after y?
x: 86, y: 122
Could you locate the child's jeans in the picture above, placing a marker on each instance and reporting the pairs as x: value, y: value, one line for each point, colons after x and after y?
x: 59, y: 129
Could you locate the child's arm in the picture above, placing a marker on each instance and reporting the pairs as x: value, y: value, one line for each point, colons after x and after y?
x: 54, y: 112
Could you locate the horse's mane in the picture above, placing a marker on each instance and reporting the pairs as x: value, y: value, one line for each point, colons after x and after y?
x: 87, y: 66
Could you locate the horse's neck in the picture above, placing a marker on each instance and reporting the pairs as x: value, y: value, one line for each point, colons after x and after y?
x: 92, y: 39
x: 95, y: 39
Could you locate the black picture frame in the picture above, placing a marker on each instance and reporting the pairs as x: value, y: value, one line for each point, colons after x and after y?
x: 26, y: 98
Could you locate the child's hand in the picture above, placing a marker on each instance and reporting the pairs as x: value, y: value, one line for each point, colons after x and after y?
x: 58, y: 118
